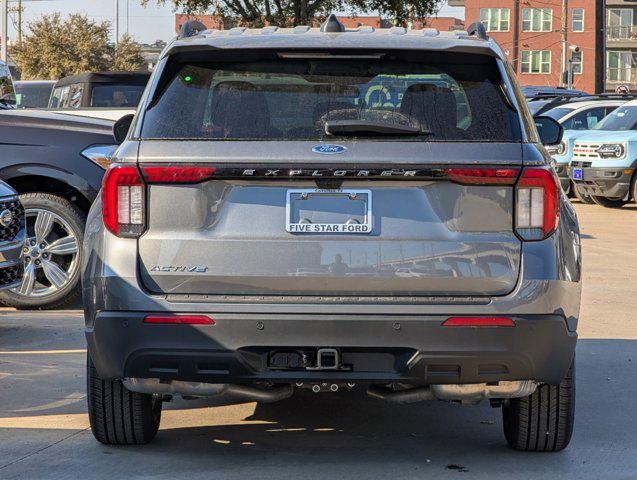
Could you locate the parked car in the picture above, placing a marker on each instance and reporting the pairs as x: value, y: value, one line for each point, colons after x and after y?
x: 56, y: 163
x: 577, y: 116
x: 33, y: 93
x: 108, y: 95
x: 252, y: 163
x: 13, y: 239
x: 604, y: 163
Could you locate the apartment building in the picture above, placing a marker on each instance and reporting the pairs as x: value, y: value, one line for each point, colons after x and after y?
x: 621, y: 44
x: 530, y: 32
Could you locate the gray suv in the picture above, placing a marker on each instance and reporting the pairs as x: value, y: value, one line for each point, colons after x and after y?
x: 327, y: 209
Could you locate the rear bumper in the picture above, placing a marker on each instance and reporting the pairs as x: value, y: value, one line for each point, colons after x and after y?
x: 603, y: 181
x: 375, y: 348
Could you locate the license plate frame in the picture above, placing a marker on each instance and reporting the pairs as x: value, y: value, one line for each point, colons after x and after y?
x: 578, y: 174
x: 364, y: 227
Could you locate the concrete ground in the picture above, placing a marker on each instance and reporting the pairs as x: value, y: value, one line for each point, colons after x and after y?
x: 44, y: 431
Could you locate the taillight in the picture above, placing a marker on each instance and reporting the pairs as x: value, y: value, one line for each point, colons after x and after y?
x: 483, y: 176
x: 536, y: 203
x: 183, y: 174
x: 124, y: 192
x: 123, y: 203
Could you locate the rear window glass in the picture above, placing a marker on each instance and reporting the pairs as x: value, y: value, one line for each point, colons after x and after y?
x: 116, y: 95
x: 301, y: 99
x: 623, y: 118
x: 33, y: 95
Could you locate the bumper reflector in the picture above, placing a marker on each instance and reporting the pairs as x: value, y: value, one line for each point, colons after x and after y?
x: 179, y: 319
x: 478, y: 322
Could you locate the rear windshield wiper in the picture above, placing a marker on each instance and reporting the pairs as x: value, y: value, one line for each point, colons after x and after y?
x: 366, y: 127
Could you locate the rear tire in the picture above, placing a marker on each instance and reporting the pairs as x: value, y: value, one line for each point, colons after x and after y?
x: 582, y: 197
x: 609, y: 202
x: 542, y: 421
x: 117, y: 415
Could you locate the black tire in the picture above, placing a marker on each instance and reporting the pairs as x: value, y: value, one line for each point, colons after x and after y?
x: 117, y: 415
x: 70, y: 293
x: 609, y: 202
x: 582, y: 197
x: 542, y: 421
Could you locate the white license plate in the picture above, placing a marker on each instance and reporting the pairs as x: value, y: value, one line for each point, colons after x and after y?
x: 329, y: 211
x: 578, y: 174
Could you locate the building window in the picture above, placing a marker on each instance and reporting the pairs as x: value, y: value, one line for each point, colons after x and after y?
x: 620, y: 66
x: 537, y: 19
x: 620, y: 23
x: 577, y: 58
x: 495, y: 19
x: 535, y: 61
x: 577, y: 20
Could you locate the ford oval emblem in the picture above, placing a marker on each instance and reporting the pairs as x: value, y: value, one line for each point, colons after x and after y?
x: 329, y: 149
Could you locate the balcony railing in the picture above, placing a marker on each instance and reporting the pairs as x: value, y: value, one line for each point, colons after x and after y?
x: 621, y: 76
x: 621, y: 33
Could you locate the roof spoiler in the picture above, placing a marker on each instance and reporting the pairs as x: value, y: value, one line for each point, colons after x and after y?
x: 191, y: 28
x: 477, y: 29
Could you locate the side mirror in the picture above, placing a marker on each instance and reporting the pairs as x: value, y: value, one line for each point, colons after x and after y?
x: 549, y: 130
x: 121, y: 128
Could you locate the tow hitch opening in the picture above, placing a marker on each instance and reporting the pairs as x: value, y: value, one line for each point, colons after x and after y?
x: 305, y: 359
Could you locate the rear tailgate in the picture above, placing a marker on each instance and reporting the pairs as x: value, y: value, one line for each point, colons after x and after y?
x: 228, y: 235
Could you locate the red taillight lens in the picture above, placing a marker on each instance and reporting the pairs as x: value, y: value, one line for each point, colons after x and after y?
x: 124, y: 192
x: 536, y: 203
x: 123, y: 201
x: 479, y: 322
x: 483, y: 176
x: 179, y: 319
x: 183, y: 174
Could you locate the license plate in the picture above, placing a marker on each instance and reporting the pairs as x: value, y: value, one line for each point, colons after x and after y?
x: 578, y: 174
x: 329, y: 211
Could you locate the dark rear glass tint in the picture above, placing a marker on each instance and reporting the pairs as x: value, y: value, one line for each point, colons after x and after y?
x: 116, y: 95
x: 290, y: 99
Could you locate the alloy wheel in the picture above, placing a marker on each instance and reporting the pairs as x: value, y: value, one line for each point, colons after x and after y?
x: 50, y: 254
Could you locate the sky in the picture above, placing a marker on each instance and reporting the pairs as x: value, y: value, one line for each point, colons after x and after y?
x: 145, y: 24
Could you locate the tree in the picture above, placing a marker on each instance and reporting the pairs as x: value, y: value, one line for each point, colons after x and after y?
x: 304, y: 12
x: 56, y: 48
x: 127, y: 55
x: 401, y: 12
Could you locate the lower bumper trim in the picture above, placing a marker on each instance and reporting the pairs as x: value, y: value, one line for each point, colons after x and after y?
x: 371, y: 349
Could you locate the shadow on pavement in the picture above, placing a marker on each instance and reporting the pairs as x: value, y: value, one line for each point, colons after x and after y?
x: 340, y: 435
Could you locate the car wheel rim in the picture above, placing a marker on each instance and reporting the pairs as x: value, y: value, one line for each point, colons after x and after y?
x: 50, y: 254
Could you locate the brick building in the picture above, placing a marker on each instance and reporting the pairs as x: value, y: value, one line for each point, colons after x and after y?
x: 440, y: 23
x: 530, y: 32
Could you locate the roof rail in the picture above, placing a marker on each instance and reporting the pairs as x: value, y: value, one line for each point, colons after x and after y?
x: 332, y: 25
x: 477, y: 29
x: 191, y: 28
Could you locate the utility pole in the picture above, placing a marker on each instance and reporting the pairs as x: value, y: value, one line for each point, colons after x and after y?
x: 127, y: 14
x: 19, y: 23
x: 564, y: 39
x: 4, y: 23
x: 116, y: 22
x: 516, y: 34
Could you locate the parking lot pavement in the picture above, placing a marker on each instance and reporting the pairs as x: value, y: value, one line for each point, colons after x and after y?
x: 44, y: 428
